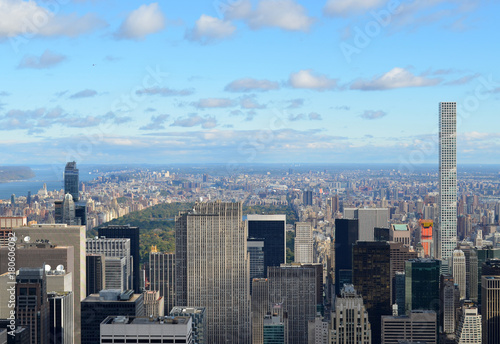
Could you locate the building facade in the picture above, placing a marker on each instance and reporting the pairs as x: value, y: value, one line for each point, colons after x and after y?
x: 303, y: 249
x: 211, y: 264
x: 162, y: 276
x: 447, y: 178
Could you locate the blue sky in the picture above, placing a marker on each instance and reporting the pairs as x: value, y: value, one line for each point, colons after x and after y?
x: 246, y: 81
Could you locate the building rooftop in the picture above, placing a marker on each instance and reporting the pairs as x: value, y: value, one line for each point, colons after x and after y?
x: 124, y: 320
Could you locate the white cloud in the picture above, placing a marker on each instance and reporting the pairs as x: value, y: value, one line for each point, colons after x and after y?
x: 209, y: 29
x: 310, y: 80
x: 46, y: 60
x: 213, y: 103
x: 145, y: 20
x: 249, y: 84
x: 28, y: 18
x: 283, y: 14
x: 396, y: 78
x: 348, y: 7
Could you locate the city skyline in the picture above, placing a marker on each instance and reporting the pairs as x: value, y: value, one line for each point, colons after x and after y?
x: 343, y: 81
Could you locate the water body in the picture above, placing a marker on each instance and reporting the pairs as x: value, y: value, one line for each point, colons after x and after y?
x: 47, y: 174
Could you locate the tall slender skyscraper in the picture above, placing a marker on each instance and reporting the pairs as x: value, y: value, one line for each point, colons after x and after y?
x: 447, y: 178
x: 212, y: 268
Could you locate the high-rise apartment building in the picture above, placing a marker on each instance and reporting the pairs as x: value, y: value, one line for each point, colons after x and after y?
x: 371, y: 277
x: 459, y: 272
x: 295, y: 286
x: 212, y: 268
x: 271, y: 230
x: 131, y: 233
x: 303, y: 250
x: 490, y: 308
x: 346, y: 234
x: 447, y: 178
x: 162, y: 276
x: 349, y: 321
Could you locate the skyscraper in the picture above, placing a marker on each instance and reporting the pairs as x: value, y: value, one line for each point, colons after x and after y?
x: 346, y: 234
x: 469, y: 329
x: 71, y: 180
x: 303, y: 249
x: 271, y: 229
x: 96, y: 273
x: 32, y: 306
x: 349, y: 322
x: 447, y: 178
x: 368, y: 218
x: 490, y: 309
x: 371, y: 277
x: 459, y: 270
x: 96, y: 307
x: 212, y: 268
x: 118, y: 262
x: 131, y: 233
x: 449, y: 301
x: 296, y: 286
x: 260, y: 307
x: 65, y: 236
x: 162, y: 276
x: 422, y: 284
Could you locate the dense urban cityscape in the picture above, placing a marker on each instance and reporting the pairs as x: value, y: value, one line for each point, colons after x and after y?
x: 342, y: 254
x: 249, y: 172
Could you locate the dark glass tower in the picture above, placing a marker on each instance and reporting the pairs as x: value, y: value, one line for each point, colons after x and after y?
x: 371, y: 277
x: 422, y: 284
x: 71, y: 180
x: 131, y: 233
x: 346, y: 234
x: 271, y: 230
